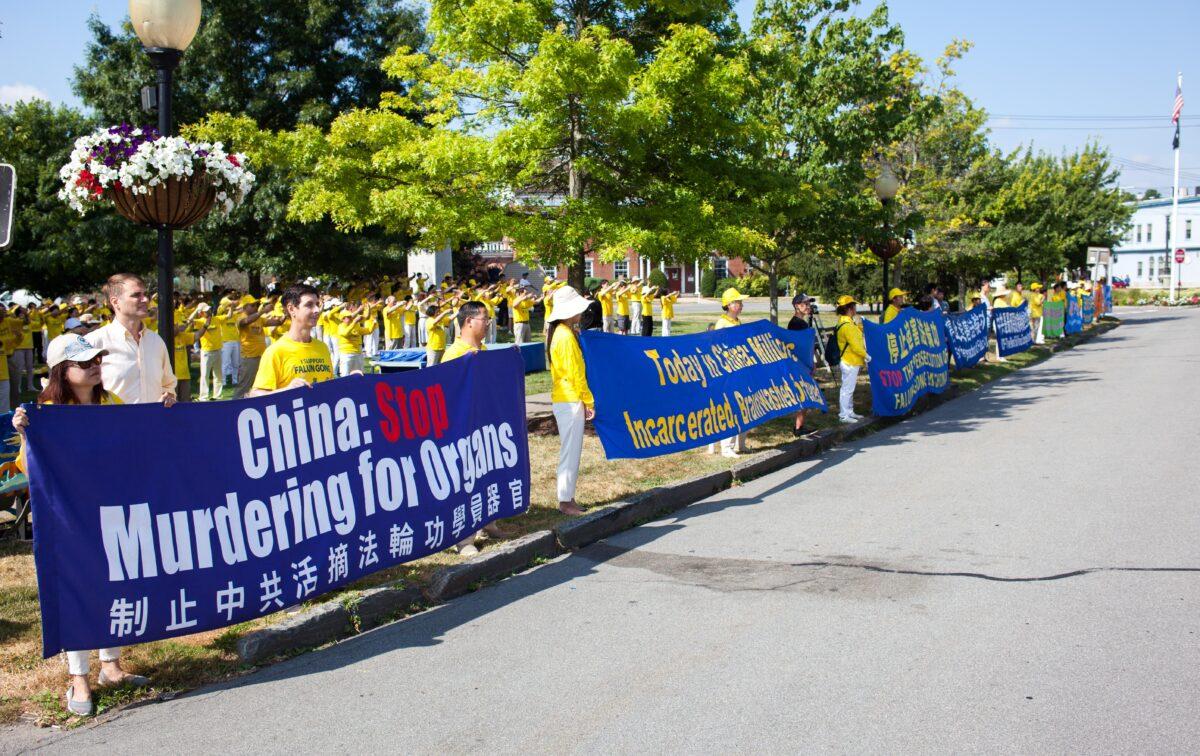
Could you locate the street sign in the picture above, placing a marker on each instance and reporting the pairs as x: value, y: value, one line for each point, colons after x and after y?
x: 8, y: 192
x: 1099, y: 255
x: 1179, y: 255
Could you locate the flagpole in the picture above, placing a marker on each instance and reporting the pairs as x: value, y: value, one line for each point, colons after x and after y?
x: 1175, y: 266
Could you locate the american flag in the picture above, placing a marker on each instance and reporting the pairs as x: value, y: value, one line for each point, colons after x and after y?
x: 1178, y: 104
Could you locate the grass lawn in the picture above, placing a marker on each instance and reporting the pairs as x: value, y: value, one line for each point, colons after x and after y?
x: 32, y: 688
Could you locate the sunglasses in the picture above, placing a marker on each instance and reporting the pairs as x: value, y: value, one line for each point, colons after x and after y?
x: 94, y: 361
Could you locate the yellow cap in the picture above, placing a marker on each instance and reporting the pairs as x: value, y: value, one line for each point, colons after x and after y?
x: 897, y: 293
x: 730, y: 296
x: 1035, y: 286
x: 845, y: 299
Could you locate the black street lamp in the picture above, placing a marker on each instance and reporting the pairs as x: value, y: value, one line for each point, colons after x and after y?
x: 166, y: 28
x: 886, y: 186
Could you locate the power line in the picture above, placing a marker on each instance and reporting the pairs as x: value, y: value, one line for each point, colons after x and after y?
x: 1164, y: 127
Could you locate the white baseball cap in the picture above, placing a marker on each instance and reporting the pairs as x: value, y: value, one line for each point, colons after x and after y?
x: 70, y: 346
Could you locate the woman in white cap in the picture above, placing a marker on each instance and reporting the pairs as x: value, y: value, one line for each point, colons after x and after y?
x: 571, y: 397
x: 75, y: 379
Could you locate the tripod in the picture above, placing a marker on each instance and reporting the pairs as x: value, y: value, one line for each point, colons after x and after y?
x: 814, y: 320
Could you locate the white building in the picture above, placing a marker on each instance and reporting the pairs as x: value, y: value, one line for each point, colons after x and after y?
x: 1146, y: 254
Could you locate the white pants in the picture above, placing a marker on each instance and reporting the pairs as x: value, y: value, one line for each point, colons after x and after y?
x: 231, y: 360
x: 666, y: 327
x: 846, y: 394
x: 410, y: 336
x: 210, y: 375
x: 1038, y: 338
x: 348, y: 363
x: 521, y: 333
x: 491, y: 336
x: 331, y: 342
x: 423, y: 330
x: 395, y: 343
x: 371, y: 343
x: 433, y: 357
x: 78, y: 661
x: 734, y: 444
x: 569, y: 417
x: 608, y: 323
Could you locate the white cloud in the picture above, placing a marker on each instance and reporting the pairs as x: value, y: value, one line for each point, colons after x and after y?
x: 13, y: 93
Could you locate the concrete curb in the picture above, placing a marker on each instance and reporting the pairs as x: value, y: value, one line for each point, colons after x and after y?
x: 492, y: 564
x: 377, y: 606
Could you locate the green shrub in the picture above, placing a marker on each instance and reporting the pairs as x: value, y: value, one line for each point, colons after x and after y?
x: 723, y: 284
x: 591, y: 283
x: 659, y: 279
x: 708, y: 283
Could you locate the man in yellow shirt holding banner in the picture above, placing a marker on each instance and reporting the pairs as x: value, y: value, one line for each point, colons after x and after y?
x: 296, y: 359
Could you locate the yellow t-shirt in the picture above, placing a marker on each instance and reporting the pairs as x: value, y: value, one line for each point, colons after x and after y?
x: 286, y: 360
x: 1016, y: 299
x: 668, y: 305
x: 890, y: 313
x: 1035, y: 304
x: 26, y: 336
x: 521, y: 310
x: 459, y: 348
x: 183, y: 343
x: 623, y: 304
x: 393, y: 323
x: 568, y: 377
x: 410, y: 314
x: 252, y: 338
x: 210, y: 340
x: 54, y: 325
x: 349, y: 337
x: 726, y: 321
x: 435, y: 330
x: 606, y: 304
x: 229, y: 327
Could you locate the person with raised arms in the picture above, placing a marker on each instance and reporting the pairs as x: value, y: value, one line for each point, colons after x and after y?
x: 296, y: 359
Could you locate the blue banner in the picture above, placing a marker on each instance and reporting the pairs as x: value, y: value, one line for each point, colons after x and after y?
x: 967, y: 333
x: 1074, y: 320
x: 1013, y: 332
x: 1108, y: 298
x: 1089, y: 309
x: 909, y: 359
x: 155, y: 522
x: 660, y: 395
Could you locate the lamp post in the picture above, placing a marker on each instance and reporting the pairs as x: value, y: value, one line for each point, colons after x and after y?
x: 886, y: 186
x: 166, y: 28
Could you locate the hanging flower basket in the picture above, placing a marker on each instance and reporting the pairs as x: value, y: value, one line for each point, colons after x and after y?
x: 162, y: 182
x: 175, y: 203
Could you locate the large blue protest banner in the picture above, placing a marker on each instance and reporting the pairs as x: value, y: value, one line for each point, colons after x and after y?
x: 668, y: 394
x: 1013, y: 332
x: 967, y: 333
x: 1089, y: 309
x: 909, y: 359
x: 155, y: 522
x: 1073, y: 323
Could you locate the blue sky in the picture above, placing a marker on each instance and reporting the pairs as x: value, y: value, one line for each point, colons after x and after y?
x: 1082, y: 68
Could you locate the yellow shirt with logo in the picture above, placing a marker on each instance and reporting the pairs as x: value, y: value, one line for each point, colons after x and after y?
x: 286, y: 360
x: 521, y: 310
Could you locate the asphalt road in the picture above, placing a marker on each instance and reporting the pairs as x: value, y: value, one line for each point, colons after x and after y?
x: 1015, y: 571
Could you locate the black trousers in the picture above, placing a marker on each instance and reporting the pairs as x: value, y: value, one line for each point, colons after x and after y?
x: 647, y: 325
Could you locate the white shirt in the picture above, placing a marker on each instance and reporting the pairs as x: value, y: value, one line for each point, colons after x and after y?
x: 138, y: 371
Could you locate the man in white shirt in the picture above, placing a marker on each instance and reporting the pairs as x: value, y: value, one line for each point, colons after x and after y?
x: 138, y: 367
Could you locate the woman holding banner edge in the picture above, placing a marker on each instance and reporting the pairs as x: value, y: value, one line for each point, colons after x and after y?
x: 75, y: 378
x: 572, y: 399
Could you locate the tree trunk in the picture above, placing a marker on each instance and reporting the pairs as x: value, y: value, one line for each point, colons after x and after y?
x: 773, y: 291
x: 254, y: 288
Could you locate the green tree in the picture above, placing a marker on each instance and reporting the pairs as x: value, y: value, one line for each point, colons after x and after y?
x: 566, y: 127
x: 831, y: 90
x: 54, y: 251
x: 282, y: 65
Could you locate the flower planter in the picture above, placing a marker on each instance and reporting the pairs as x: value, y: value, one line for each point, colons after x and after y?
x: 175, y: 204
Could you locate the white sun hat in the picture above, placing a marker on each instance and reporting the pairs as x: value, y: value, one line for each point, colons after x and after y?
x: 567, y: 304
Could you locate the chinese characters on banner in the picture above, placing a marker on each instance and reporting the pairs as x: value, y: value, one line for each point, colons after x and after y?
x: 666, y: 394
x: 909, y: 359
x: 1053, y: 315
x: 155, y: 522
x: 967, y: 334
x: 1013, y: 331
x: 1073, y: 322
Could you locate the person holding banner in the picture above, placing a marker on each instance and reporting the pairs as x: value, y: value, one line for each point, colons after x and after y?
x: 895, y: 304
x: 801, y: 321
x: 572, y: 399
x: 76, y: 378
x: 1036, y: 301
x: 852, y: 349
x: 731, y: 303
x: 295, y: 359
